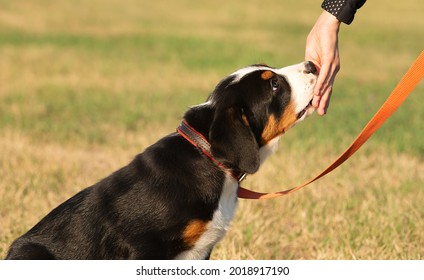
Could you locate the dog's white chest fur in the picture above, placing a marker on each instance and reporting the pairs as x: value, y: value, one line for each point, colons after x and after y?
x: 219, y: 224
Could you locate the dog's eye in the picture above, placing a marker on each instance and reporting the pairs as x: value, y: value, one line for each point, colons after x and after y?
x: 274, y: 84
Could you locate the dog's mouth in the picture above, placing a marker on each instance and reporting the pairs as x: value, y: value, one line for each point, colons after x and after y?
x: 303, y: 112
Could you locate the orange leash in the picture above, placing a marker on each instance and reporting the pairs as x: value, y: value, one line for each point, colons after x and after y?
x: 396, y: 98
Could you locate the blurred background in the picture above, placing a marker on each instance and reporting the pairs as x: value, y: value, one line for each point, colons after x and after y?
x: 86, y: 85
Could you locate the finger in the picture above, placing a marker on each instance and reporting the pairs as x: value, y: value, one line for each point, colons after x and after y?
x: 322, y: 81
x: 324, y: 102
x: 316, y: 100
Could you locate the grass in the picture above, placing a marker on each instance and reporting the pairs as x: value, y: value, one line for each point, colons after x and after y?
x: 85, y: 85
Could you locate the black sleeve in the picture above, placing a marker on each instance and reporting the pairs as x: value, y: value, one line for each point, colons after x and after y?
x: 343, y: 10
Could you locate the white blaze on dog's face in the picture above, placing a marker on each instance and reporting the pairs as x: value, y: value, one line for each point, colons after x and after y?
x: 301, y: 78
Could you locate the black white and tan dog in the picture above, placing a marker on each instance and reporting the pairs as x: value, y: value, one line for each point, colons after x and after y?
x: 177, y: 198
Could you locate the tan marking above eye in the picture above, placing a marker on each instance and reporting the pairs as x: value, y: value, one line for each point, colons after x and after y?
x: 275, y: 127
x: 193, y: 231
x: 245, y: 120
x: 266, y: 75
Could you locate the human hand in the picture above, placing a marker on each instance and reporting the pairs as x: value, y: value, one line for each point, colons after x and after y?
x: 322, y: 49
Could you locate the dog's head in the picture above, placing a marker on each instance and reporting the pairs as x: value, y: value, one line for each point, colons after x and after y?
x: 253, y: 107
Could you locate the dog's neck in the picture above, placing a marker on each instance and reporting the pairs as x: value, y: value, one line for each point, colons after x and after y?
x: 200, y: 142
x: 200, y: 118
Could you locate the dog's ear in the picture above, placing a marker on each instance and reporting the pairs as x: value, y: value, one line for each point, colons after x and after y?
x: 232, y: 141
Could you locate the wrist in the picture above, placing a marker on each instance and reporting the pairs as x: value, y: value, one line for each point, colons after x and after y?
x: 329, y: 20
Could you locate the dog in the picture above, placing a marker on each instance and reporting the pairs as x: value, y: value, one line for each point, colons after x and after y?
x: 176, y: 199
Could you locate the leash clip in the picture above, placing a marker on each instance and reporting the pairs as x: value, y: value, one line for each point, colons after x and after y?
x: 242, y: 177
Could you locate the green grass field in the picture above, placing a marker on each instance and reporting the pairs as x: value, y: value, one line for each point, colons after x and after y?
x: 86, y: 85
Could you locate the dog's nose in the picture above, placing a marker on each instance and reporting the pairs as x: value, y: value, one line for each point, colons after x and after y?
x: 310, y: 68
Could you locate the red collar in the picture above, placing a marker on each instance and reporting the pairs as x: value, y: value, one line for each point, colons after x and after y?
x: 200, y: 142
